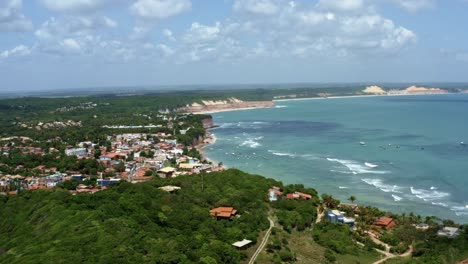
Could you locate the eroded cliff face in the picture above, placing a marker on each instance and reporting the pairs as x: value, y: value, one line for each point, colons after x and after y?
x: 207, y: 122
x: 225, y: 105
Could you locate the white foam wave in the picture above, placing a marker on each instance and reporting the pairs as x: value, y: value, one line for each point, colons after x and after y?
x: 433, y: 188
x: 251, y: 143
x: 343, y: 172
x: 370, y: 165
x: 397, y: 198
x: 357, y: 168
x: 343, y: 187
x: 283, y: 154
x: 281, y: 106
x: 460, y: 210
x: 378, y: 183
x: 429, y: 195
x: 440, y: 204
x: 293, y: 155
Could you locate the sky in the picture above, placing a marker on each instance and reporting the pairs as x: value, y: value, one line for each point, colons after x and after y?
x: 64, y: 44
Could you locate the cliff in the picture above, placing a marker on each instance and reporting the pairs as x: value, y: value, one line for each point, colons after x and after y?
x: 208, y: 106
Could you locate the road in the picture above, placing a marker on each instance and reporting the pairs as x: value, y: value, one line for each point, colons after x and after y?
x: 387, y: 253
x: 264, y: 242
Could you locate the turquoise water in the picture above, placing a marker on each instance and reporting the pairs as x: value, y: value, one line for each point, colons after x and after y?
x: 412, y: 159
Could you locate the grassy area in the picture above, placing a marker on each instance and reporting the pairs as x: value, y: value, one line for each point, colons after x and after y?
x: 370, y: 257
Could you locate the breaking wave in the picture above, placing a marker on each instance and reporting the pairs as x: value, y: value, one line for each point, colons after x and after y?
x: 356, y: 168
x: 397, y: 198
x: 293, y: 155
x: 370, y: 165
x: 428, y: 195
x: 252, y: 142
x: 378, y: 183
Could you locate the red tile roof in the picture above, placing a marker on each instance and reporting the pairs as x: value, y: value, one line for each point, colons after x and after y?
x: 223, y: 212
x: 384, y: 222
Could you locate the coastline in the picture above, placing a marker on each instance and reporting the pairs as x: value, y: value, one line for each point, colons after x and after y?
x: 227, y: 110
x: 354, y: 96
x: 212, y: 138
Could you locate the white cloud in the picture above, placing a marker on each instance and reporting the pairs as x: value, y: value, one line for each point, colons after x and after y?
x: 265, y: 7
x: 11, y: 17
x: 20, y: 50
x: 75, y: 5
x: 159, y: 9
x: 169, y: 35
x: 165, y: 50
x: 70, y: 44
x: 342, y: 5
x: 72, y: 26
x: 414, y: 6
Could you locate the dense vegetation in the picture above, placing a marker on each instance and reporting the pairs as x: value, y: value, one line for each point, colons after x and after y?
x: 135, y: 222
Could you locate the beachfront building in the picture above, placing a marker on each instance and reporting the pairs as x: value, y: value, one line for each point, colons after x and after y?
x: 336, y: 216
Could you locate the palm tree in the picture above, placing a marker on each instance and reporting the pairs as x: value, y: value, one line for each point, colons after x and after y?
x: 352, y: 198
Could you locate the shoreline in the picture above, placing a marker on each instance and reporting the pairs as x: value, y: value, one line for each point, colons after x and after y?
x: 228, y: 110
x: 210, y: 138
x: 314, y: 98
x: 354, y: 96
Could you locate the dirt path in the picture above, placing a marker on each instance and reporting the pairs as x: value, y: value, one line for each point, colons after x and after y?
x: 387, y: 253
x: 264, y: 242
x: 319, y: 215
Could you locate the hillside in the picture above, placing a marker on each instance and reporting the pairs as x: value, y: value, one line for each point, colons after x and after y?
x: 135, y: 222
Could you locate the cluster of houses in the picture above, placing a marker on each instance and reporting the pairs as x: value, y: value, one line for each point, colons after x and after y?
x: 133, y: 157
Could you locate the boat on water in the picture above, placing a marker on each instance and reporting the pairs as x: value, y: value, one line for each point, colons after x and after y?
x: 463, y: 143
x: 362, y: 143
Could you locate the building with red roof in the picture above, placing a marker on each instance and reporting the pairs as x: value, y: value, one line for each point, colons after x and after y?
x: 384, y: 222
x: 223, y: 212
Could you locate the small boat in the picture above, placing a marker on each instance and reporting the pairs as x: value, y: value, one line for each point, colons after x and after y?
x: 362, y: 143
x: 462, y: 143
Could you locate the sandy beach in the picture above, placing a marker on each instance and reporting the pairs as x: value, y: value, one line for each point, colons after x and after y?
x: 354, y: 96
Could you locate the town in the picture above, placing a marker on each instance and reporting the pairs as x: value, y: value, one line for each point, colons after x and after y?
x: 132, y: 157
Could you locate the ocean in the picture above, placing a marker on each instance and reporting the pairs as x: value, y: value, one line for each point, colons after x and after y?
x: 399, y: 153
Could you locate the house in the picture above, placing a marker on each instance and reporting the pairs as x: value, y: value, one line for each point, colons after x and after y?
x: 189, y: 166
x: 76, y: 152
x: 273, y: 194
x: 304, y: 196
x: 336, y: 216
x: 297, y: 195
x: 105, y: 183
x: 223, y: 212
x: 242, y: 244
x: 421, y: 226
x: 166, y: 172
x: 170, y: 188
x: 450, y: 232
x: 384, y: 222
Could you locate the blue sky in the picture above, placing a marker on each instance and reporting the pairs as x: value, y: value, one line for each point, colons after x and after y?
x: 59, y: 44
